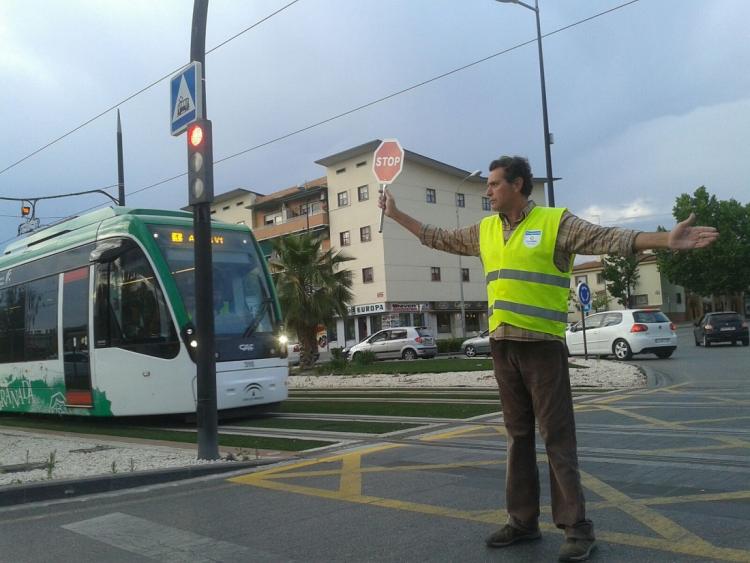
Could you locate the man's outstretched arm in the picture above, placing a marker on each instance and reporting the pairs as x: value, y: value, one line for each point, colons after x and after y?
x: 388, y: 203
x: 683, y: 237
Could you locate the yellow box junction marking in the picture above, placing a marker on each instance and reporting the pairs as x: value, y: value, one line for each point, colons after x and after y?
x: 669, y: 535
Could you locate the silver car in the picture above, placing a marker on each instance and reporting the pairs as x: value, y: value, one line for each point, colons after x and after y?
x: 477, y: 345
x: 406, y: 342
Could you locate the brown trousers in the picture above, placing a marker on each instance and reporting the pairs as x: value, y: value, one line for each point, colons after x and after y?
x: 535, y: 383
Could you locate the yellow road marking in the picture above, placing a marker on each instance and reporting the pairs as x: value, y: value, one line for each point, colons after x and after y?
x: 649, y: 419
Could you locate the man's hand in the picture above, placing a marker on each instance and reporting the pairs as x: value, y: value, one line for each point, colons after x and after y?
x: 387, y: 202
x: 686, y: 237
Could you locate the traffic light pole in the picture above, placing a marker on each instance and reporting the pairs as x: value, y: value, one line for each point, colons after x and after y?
x: 206, y: 413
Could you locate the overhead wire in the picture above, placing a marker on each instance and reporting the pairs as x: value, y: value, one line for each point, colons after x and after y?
x: 142, y: 90
x: 342, y: 114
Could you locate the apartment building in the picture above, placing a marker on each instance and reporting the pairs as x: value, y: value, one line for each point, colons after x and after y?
x: 651, y: 290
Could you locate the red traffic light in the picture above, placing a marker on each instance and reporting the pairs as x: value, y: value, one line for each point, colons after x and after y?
x: 195, y: 135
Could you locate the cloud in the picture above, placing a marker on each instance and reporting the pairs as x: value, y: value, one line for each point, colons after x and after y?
x: 643, y: 169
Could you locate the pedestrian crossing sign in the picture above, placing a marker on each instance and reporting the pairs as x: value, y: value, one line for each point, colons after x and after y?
x: 186, y: 97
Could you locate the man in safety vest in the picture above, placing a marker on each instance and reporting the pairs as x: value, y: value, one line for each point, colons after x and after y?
x: 527, y: 253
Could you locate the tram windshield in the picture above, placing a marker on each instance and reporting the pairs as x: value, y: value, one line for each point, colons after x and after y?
x: 242, y: 300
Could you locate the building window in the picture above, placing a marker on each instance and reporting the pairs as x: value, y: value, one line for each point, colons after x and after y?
x: 343, y: 198
x: 349, y: 329
x: 465, y: 274
x: 584, y: 279
x: 640, y: 300
x: 460, y: 200
x: 486, y: 204
x: 272, y: 219
x: 419, y: 319
x: 435, y: 273
x: 404, y: 319
x: 367, y: 275
x: 363, y: 193
x: 364, y: 234
x: 431, y: 195
x: 599, y: 278
x: 344, y: 238
x: 376, y: 323
x: 359, y: 165
x: 239, y: 203
x: 679, y: 298
x: 340, y: 170
x: 472, y: 322
x: 444, y: 323
x: 225, y: 208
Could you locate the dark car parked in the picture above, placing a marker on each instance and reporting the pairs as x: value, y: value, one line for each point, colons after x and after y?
x: 725, y: 326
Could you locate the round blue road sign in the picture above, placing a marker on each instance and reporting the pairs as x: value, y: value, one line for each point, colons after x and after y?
x: 584, y: 293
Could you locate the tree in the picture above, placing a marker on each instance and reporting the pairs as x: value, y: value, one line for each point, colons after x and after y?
x: 620, y: 274
x: 311, y: 286
x: 723, y: 269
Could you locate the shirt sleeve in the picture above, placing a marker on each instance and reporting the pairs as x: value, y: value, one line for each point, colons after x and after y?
x: 578, y: 236
x: 463, y: 241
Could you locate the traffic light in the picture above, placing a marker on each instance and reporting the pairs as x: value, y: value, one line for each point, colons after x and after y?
x: 200, y: 162
x: 25, y: 210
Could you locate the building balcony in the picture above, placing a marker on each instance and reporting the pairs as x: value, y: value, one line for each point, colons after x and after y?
x: 298, y: 224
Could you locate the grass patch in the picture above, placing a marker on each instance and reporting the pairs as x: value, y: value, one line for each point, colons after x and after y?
x: 433, y: 365
x: 100, y: 428
x: 328, y: 425
x: 433, y: 410
x: 377, y: 393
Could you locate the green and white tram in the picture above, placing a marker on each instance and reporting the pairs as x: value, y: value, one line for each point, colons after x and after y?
x: 96, y: 317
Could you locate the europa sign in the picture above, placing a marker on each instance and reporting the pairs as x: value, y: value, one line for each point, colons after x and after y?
x: 388, y: 161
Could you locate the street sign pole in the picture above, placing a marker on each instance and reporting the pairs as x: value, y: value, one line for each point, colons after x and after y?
x: 382, y: 211
x: 584, y: 298
x: 206, y: 408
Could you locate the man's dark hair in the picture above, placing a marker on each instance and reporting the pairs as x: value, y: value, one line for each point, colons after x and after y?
x: 515, y: 167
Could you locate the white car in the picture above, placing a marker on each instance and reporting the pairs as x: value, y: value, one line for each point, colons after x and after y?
x: 624, y: 333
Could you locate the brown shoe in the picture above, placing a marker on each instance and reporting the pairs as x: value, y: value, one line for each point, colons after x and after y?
x: 508, y: 535
x: 575, y: 549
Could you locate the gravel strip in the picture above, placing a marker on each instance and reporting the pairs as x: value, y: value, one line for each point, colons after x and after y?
x: 592, y: 373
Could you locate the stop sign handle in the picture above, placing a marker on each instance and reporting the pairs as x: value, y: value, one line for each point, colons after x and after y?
x: 382, y: 210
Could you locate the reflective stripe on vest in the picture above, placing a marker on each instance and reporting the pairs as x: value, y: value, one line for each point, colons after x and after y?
x: 525, y: 289
x: 536, y: 277
x: 529, y: 310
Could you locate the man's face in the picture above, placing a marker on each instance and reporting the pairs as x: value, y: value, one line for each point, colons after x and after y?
x: 501, y: 193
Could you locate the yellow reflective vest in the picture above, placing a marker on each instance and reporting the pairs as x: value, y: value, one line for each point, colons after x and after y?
x: 524, y: 287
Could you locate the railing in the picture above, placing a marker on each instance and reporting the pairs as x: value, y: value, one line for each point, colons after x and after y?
x: 292, y: 225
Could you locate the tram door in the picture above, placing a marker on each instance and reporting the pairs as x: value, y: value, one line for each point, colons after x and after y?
x: 75, y: 331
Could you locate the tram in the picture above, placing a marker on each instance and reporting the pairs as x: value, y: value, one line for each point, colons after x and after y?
x: 96, y: 318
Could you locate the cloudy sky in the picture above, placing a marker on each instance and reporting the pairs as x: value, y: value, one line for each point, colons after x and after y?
x: 646, y: 102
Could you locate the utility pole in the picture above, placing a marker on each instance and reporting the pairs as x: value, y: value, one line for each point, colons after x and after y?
x: 206, y: 410
x: 120, y: 164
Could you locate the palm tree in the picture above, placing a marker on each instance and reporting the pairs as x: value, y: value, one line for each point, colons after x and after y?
x: 311, y: 286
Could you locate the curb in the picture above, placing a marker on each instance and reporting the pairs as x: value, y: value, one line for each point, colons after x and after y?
x: 36, y: 491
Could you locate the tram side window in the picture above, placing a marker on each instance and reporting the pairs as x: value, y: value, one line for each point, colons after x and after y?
x: 12, y: 324
x: 41, y: 319
x: 131, y: 311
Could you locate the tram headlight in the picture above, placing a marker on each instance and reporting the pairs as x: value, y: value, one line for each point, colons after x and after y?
x: 283, y: 340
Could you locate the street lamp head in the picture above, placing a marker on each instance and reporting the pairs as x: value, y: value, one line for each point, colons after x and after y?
x: 475, y: 173
x: 532, y: 8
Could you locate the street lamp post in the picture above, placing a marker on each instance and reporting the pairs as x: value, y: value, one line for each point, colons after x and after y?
x: 460, y: 265
x: 547, y: 137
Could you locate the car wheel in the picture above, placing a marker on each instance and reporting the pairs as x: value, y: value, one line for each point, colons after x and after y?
x: 409, y: 354
x: 664, y: 355
x: 697, y: 343
x: 355, y: 356
x: 706, y: 343
x: 470, y: 351
x: 621, y: 350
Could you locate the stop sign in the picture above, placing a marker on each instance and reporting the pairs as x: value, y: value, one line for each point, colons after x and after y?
x: 388, y: 161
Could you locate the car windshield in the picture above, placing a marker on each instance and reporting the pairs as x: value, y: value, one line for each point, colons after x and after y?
x: 242, y: 300
x: 650, y: 317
